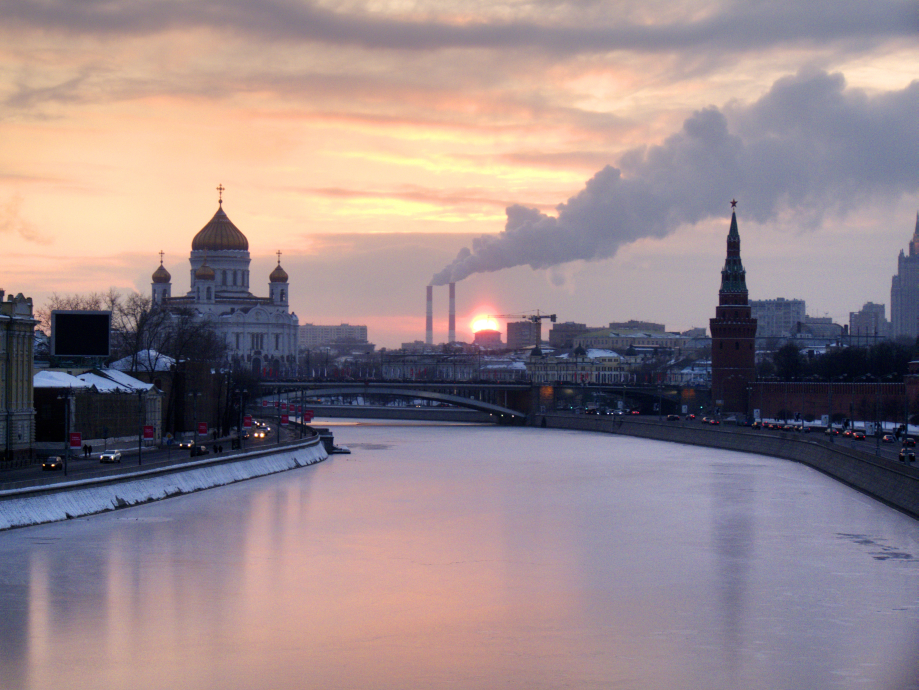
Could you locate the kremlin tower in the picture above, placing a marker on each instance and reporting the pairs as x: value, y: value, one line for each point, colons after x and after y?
x: 733, y: 332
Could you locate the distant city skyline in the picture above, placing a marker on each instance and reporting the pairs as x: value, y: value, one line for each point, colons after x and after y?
x: 577, y: 159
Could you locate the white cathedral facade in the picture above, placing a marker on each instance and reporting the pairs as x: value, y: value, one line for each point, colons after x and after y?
x: 260, y: 332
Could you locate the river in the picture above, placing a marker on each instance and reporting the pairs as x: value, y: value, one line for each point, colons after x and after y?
x: 474, y: 557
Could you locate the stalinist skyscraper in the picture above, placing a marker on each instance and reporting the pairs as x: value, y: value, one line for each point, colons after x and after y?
x: 904, y: 291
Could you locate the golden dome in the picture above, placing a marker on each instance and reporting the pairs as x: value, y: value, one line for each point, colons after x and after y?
x: 278, y: 275
x: 205, y: 272
x: 161, y: 275
x: 219, y: 235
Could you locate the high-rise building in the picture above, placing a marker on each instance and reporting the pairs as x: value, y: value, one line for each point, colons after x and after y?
x: 315, y: 336
x: 869, y: 324
x: 562, y: 335
x: 904, y: 291
x: 777, y: 318
x: 522, y: 334
x: 733, y: 332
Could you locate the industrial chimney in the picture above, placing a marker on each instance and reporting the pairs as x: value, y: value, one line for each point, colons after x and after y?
x: 429, y: 321
x: 451, y: 335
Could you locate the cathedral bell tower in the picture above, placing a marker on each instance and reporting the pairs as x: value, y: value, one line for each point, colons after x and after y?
x: 733, y: 332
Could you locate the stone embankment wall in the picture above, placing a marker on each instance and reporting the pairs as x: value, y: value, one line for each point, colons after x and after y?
x: 70, y: 499
x: 431, y: 414
x: 886, y: 480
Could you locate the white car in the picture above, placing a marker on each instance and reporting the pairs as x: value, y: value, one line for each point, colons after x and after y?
x: 110, y: 456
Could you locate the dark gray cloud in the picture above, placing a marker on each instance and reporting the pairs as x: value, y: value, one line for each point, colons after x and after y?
x: 727, y: 26
x: 808, y: 144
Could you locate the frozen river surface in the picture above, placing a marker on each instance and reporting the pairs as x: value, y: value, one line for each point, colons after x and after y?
x: 476, y: 558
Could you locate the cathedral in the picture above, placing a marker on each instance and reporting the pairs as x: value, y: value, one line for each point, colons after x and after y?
x: 260, y: 332
x: 904, y: 292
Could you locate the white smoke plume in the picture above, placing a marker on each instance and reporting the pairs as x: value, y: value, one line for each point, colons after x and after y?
x: 810, y: 143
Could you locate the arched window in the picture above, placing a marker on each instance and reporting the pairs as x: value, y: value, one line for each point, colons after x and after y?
x: 282, y: 296
x: 208, y: 292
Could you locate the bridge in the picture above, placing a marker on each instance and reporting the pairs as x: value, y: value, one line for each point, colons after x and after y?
x: 510, y: 402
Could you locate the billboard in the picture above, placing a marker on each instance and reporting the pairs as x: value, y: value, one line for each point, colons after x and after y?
x: 81, y: 333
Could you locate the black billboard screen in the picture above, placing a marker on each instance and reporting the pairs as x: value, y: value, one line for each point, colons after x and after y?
x: 81, y: 333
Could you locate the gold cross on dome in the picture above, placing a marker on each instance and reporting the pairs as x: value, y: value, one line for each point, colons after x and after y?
x: 279, y: 257
x: 220, y: 189
x: 161, y: 257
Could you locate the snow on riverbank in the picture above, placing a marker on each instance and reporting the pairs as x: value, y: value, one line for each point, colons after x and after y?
x: 64, y: 503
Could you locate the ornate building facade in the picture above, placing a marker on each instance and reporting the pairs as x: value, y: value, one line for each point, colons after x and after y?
x: 733, y: 332
x: 17, y: 410
x: 260, y: 332
x: 904, y: 291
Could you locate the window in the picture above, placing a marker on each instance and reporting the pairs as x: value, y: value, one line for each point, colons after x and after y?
x: 234, y: 278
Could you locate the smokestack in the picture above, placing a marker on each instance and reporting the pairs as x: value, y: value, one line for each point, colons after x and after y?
x: 451, y: 335
x: 429, y: 321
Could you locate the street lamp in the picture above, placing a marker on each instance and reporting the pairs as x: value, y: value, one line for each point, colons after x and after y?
x: 68, y: 400
x: 194, y: 443
x: 140, y: 423
x: 241, y: 395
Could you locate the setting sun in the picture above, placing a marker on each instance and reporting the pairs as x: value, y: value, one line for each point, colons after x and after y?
x: 484, y: 323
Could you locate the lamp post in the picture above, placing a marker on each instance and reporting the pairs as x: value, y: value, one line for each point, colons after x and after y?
x: 241, y: 395
x: 68, y: 399
x: 194, y: 443
x: 140, y: 425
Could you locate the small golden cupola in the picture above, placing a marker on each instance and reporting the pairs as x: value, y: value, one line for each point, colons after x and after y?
x: 161, y: 275
x: 278, y: 275
x: 277, y: 286
x: 205, y: 272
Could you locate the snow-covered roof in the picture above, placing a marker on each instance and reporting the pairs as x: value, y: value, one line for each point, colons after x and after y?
x: 57, y: 379
x: 124, y: 380
x: 102, y: 384
x: 147, y: 360
x: 596, y: 353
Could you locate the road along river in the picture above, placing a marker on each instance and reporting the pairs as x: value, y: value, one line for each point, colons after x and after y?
x: 476, y: 557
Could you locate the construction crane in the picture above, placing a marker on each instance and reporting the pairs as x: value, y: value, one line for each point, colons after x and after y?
x: 534, y: 318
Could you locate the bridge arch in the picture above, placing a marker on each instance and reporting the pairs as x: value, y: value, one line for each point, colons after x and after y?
x: 503, y: 414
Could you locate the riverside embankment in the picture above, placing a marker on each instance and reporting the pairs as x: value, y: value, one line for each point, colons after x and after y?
x: 888, y: 481
x: 76, y: 498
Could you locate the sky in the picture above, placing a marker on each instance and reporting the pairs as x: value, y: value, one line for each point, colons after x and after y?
x: 576, y: 158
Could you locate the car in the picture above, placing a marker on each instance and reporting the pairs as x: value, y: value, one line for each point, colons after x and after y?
x: 673, y: 417
x: 53, y: 462
x: 858, y: 436
x: 199, y: 450
x: 186, y: 444
x: 690, y: 416
x: 714, y: 422
x: 832, y: 432
x: 756, y: 425
x: 110, y: 456
x: 259, y: 434
x: 636, y: 411
x: 906, y: 455
x: 847, y: 433
x: 909, y: 442
x: 888, y: 438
